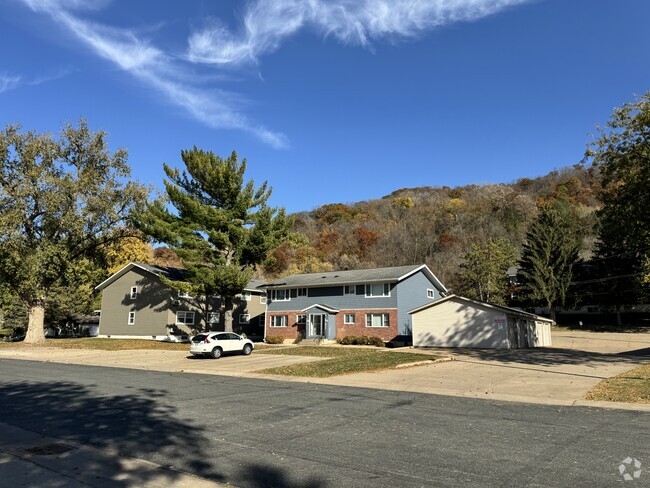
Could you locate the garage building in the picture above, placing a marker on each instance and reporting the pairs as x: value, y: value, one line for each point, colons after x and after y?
x: 456, y: 321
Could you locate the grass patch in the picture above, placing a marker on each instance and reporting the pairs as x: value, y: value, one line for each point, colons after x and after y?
x: 632, y: 387
x: 343, y: 361
x: 101, y: 344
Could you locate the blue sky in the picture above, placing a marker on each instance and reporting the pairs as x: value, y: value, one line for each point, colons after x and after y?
x: 330, y: 100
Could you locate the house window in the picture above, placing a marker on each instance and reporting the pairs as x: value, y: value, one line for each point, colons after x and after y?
x: 263, y: 299
x: 244, y: 318
x: 378, y: 290
x: 213, y: 317
x: 280, y: 295
x: 278, y: 320
x: 431, y: 293
x: 184, y: 317
x: 131, y: 320
x: 302, y: 292
x: 348, y: 318
x: 377, y: 320
x: 134, y: 292
x: 262, y: 320
x: 301, y: 319
x: 246, y: 296
x: 350, y: 289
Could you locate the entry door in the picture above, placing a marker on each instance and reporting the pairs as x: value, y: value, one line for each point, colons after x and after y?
x: 317, y: 325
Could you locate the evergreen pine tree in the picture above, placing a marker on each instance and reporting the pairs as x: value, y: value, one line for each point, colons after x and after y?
x: 222, y: 228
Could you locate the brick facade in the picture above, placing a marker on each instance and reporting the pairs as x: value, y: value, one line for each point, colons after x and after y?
x: 358, y: 328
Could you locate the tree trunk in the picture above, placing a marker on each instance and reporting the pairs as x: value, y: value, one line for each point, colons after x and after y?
x: 36, y: 322
x: 227, y: 314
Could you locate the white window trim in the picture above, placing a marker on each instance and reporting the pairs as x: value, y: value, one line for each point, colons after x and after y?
x: 243, y: 320
x: 345, y: 318
x: 431, y: 293
x: 186, y: 314
x: 353, y: 292
x: 131, y: 319
x: 304, y: 316
x: 385, y: 320
x: 369, y: 288
x: 184, y: 294
x: 214, y: 317
x: 282, y: 318
x: 134, y: 292
x: 287, y: 295
x: 263, y: 299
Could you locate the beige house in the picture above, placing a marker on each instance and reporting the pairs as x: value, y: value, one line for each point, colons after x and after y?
x: 136, y: 303
x: 455, y: 321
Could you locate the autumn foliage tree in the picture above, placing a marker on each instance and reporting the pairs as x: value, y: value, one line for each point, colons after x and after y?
x: 62, y: 200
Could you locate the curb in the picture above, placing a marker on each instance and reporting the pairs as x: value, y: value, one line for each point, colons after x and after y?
x: 426, y: 361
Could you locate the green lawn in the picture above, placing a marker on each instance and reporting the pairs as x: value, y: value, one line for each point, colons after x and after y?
x: 343, y: 360
x: 632, y: 387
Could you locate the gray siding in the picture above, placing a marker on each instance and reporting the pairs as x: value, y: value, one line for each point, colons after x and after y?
x: 333, y: 297
x: 156, y: 305
x: 411, y: 294
x: 151, y: 306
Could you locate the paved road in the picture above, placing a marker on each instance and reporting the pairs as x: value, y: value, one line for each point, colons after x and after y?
x: 260, y: 433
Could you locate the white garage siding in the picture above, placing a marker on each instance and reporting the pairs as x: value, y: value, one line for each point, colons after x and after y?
x: 460, y: 322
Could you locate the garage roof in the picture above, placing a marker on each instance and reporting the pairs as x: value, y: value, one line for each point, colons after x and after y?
x: 507, y: 310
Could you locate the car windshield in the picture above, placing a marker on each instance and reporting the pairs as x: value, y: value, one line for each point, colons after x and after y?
x: 199, y: 338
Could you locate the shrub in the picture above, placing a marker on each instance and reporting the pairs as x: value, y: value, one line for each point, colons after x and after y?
x: 361, y: 341
x: 298, y: 338
x: 274, y: 339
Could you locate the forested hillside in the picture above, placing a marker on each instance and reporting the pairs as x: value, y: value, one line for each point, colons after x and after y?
x: 438, y: 226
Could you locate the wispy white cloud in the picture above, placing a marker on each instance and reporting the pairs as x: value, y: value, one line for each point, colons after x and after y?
x: 154, y: 67
x: 8, y: 82
x: 267, y: 23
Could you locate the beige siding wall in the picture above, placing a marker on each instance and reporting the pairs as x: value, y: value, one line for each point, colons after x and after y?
x: 151, y: 306
x: 457, y: 324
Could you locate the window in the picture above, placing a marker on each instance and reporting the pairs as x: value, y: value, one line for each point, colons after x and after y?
x: 431, y: 293
x: 131, y: 318
x: 184, y: 317
x: 246, y: 296
x: 213, y: 317
x: 134, y: 292
x: 301, y: 319
x: 278, y: 320
x: 302, y: 292
x: 378, y: 290
x: 280, y: 295
x: 263, y: 299
x: 262, y: 320
x: 244, y: 318
x: 184, y: 294
x: 377, y: 320
x: 350, y: 289
x: 348, y: 318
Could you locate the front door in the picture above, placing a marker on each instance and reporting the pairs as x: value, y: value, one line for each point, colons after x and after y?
x: 317, y: 325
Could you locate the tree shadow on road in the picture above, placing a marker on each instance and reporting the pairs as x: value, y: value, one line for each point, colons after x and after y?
x: 137, y: 425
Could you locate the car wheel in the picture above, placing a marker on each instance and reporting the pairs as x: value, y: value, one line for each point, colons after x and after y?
x: 247, y: 349
x: 216, y: 353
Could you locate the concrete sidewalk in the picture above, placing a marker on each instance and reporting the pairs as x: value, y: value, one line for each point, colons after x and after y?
x: 559, y: 375
x: 28, y: 459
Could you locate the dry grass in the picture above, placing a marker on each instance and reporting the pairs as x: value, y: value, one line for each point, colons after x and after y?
x: 104, y: 344
x: 344, y: 361
x: 632, y: 387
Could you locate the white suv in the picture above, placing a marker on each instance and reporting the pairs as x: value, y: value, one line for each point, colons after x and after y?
x: 214, y: 344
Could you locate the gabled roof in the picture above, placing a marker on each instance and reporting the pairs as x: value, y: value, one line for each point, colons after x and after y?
x: 171, y: 273
x: 321, y: 306
x: 493, y: 306
x: 355, y: 276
